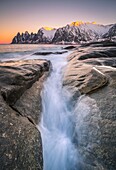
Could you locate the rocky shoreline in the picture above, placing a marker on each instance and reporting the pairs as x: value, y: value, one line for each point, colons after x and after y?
x: 91, y: 73
x: 20, y: 107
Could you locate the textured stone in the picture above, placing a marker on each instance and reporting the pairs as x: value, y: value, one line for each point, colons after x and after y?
x: 95, y: 112
x: 20, y: 141
x: 17, y: 76
x: 20, y: 106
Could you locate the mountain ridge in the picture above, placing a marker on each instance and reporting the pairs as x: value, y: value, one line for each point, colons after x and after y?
x: 76, y: 32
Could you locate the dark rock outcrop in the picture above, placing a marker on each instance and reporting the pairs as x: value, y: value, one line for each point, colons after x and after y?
x: 69, y: 47
x: 99, y: 54
x: 105, y: 43
x: 20, y: 107
x: 48, y: 53
x: 95, y: 114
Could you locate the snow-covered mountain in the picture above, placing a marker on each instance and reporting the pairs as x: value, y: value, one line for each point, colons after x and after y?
x: 48, y: 32
x: 44, y: 35
x: 76, y: 32
x: 111, y: 34
x: 79, y: 32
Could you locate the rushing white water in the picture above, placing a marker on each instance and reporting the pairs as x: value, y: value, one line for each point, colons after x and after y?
x: 57, y: 123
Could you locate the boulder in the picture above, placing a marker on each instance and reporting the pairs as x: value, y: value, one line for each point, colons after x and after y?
x: 92, y: 82
x: 20, y: 141
x: 20, y: 106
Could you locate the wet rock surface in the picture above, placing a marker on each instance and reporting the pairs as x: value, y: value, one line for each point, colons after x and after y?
x: 69, y: 47
x: 20, y: 107
x: 94, y: 79
x: 48, y: 53
x: 105, y: 43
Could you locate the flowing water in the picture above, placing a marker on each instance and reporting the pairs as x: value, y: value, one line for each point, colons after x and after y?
x: 57, y: 126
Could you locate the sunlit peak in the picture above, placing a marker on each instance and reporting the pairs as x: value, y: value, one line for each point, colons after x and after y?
x: 94, y: 22
x: 77, y: 23
x: 48, y: 28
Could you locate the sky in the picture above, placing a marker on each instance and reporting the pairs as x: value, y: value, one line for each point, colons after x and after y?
x: 30, y: 15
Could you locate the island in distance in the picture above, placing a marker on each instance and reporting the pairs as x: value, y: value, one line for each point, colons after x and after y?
x: 76, y: 32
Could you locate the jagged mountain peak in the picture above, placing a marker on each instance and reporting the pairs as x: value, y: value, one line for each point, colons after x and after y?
x: 47, y: 32
x: 76, y: 32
